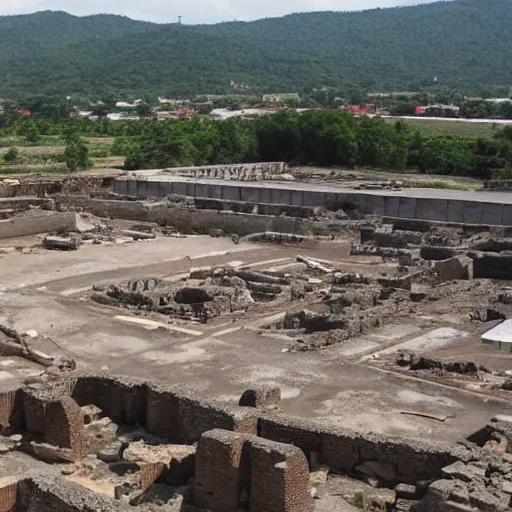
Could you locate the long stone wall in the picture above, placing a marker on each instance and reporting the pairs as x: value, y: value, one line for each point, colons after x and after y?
x: 239, y: 172
x: 183, y: 418
x: 35, y: 224
x: 424, y: 208
x: 190, y: 220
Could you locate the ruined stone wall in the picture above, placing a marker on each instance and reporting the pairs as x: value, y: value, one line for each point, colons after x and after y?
x: 491, y: 265
x: 34, y: 405
x: 9, y: 411
x: 164, y: 410
x: 34, y: 224
x: 344, y: 450
x: 391, y: 238
x: 230, y: 465
x: 8, y: 497
x: 279, y: 478
x: 222, y: 471
x: 198, y: 220
x: 64, y: 425
x: 51, y: 494
x: 239, y: 172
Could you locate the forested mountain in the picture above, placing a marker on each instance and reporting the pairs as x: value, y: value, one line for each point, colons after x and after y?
x: 466, y: 44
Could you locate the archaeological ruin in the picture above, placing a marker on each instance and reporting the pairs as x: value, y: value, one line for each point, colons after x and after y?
x: 252, y: 338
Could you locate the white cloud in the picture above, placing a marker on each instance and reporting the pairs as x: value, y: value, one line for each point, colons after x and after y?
x: 194, y: 11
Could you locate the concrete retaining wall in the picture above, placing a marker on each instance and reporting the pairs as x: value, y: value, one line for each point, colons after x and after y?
x: 427, y: 208
x: 35, y: 224
x: 190, y: 220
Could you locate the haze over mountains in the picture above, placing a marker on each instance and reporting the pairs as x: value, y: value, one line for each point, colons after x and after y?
x: 466, y: 44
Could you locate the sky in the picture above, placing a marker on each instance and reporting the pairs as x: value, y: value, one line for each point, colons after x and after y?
x: 194, y: 11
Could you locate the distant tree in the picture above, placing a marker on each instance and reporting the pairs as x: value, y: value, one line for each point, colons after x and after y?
x: 100, y: 110
x: 404, y: 108
x: 12, y: 156
x: 32, y: 133
x: 76, y: 155
x: 134, y: 159
x: 143, y: 109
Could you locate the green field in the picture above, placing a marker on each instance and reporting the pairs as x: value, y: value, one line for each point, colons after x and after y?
x: 457, y: 128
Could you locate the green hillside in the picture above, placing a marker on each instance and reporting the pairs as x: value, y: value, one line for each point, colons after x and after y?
x: 465, y: 43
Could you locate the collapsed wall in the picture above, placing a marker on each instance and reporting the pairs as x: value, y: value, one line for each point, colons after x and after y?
x: 52, y: 494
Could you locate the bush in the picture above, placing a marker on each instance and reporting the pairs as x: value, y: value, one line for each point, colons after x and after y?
x: 12, y: 156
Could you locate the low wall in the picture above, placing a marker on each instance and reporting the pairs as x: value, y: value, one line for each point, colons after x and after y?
x: 163, y: 410
x: 183, y: 418
x: 345, y: 450
x: 35, y: 224
x: 491, y: 265
x: 51, y: 494
x: 424, y: 208
x: 192, y: 220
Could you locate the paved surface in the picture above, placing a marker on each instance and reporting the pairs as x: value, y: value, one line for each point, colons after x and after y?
x: 225, y: 357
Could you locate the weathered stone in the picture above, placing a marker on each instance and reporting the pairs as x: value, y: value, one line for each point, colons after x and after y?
x: 487, y: 502
x: 71, y: 243
x: 460, y: 471
x: 261, y: 397
x: 381, y: 470
x: 406, y: 492
x: 91, y: 413
x: 319, y: 474
x: 177, y: 459
x: 111, y: 452
x: 459, y: 267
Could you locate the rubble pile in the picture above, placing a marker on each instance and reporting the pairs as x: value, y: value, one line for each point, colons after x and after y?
x: 138, y: 468
x: 207, y: 293
x: 417, y: 362
x: 481, y: 482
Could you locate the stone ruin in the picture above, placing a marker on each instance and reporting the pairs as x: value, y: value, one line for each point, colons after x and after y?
x: 139, y: 435
x: 207, y: 293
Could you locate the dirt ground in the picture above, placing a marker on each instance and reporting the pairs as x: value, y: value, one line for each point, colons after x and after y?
x: 45, y: 291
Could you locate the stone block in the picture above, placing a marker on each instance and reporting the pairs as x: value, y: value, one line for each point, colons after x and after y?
x: 458, y: 267
x: 265, y: 397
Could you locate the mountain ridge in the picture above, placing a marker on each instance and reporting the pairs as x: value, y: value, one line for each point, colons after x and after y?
x: 464, y: 44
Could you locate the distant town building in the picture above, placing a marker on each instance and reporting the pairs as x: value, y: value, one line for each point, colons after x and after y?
x: 125, y: 104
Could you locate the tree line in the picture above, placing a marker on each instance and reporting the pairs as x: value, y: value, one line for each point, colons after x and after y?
x: 322, y: 138
x: 331, y: 138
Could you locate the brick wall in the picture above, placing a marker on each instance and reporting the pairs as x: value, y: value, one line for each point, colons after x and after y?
x: 221, y: 474
x: 34, y: 404
x: 163, y: 410
x: 8, y: 495
x: 229, y: 464
x: 64, y: 426
x: 150, y: 473
x: 344, y: 449
x: 279, y: 478
x: 10, y: 410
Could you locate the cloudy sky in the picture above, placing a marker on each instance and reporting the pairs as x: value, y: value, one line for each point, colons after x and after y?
x: 194, y: 11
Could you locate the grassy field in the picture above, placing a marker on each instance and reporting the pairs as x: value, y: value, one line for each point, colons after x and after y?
x: 48, y: 154
x: 457, y: 128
